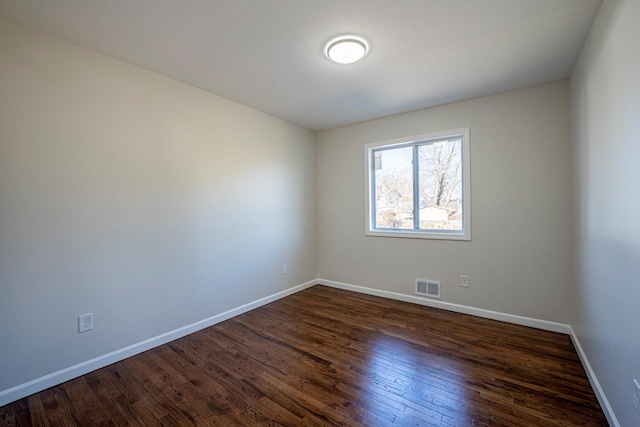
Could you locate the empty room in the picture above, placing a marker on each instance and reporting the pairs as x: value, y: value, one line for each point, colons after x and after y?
x: 308, y: 213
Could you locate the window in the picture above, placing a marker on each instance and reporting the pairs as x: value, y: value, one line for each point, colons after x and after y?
x: 419, y: 187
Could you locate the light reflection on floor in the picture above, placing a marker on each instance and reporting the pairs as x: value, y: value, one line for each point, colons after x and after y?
x: 401, y: 384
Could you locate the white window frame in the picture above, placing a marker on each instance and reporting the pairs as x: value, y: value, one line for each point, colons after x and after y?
x: 465, y: 233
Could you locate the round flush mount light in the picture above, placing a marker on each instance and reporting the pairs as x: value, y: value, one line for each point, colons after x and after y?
x: 346, y: 49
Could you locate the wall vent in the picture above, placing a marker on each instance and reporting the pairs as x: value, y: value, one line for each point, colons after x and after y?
x: 429, y: 288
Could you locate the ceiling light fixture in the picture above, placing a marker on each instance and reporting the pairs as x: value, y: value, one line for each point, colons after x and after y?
x: 346, y: 49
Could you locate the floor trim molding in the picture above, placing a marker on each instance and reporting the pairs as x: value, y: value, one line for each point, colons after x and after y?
x: 458, y: 308
x: 22, y: 390
x: 595, y: 384
x: 504, y: 317
x: 34, y: 386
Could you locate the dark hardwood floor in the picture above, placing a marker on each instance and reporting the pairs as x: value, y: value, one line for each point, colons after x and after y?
x: 330, y: 357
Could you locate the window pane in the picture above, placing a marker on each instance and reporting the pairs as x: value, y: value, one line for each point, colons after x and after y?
x: 394, y: 188
x: 440, y: 187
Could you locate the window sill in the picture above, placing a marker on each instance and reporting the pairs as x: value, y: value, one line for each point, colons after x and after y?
x: 411, y: 234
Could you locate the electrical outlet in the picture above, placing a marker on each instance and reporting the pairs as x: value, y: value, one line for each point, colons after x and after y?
x: 85, y: 322
x: 464, y: 281
x: 636, y: 396
x: 285, y: 268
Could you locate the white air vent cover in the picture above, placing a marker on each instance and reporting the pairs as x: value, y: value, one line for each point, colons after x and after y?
x: 430, y: 288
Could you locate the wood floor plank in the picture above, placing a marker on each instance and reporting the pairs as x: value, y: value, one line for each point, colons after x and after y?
x: 326, y: 356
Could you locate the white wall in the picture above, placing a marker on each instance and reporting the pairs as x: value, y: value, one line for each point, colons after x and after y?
x: 143, y: 200
x: 605, y: 105
x: 519, y: 259
x: 154, y: 205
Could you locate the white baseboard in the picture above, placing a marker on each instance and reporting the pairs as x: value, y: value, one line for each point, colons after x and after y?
x: 458, y: 308
x: 504, y: 317
x: 58, y: 377
x: 22, y: 390
x: 595, y: 384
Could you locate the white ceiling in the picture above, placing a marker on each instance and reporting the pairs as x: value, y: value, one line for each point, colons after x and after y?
x: 268, y: 54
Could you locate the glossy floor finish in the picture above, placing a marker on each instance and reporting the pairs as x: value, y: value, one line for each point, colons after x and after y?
x: 331, y: 357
